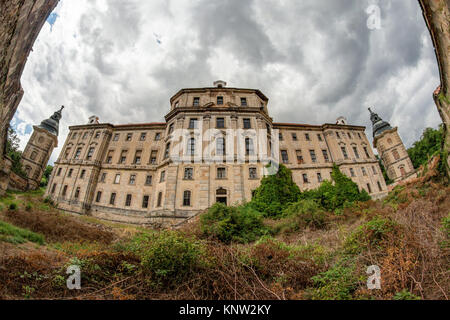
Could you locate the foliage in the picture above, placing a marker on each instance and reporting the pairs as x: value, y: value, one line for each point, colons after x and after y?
x: 388, y: 180
x: 306, y: 213
x: 46, y: 176
x: 341, y: 194
x: 12, y: 151
x: 13, y: 206
x: 169, y: 256
x: 429, y: 144
x: 405, y: 295
x: 275, y: 193
x: 233, y: 224
x: 13, y: 234
x: 370, y: 234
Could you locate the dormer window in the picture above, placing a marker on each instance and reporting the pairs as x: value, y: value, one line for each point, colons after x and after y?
x: 196, y: 101
x: 243, y: 102
x: 219, y: 101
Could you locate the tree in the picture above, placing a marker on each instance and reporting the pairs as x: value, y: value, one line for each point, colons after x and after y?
x: 13, y: 152
x: 429, y: 145
x: 383, y: 170
x: 46, y: 175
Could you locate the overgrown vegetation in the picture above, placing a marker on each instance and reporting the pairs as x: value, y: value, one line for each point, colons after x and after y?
x: 13, y: 152
x: 13, y: 234
x: 429, y: 145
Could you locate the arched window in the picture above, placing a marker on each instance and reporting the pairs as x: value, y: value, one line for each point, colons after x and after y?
x: 159, y: 200
x: 221, y: 196
x: 396, y: 154
x: 402, y: 171
x: 33, y: 155
x: 187, y: 198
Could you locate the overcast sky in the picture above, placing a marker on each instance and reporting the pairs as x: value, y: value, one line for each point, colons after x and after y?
x: 315, y: 60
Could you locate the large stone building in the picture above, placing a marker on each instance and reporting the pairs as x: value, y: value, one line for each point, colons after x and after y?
x: 214, y: 147
x: 391, y: 149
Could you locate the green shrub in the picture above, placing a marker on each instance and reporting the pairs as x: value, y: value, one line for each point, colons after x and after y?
x: 306, y: 213
x: 13, y: 234
x: 169, y: 256
x: 233, y: 224
x: 337, y: 283
x: 13, y: 206
x: 405, y: 295
x: 275, y: 193
x: 28, y: 207
x: 369, y: 234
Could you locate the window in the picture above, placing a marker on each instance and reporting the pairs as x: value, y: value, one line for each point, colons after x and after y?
x: 220, y: 100
x: 128, y: 200
x: 389, y: 141
x: 145, y: 202
x: 359, y: 135
x: 59, y: 172
x: 188, y: 173
x: 396, y: 154
x: 90, y: 153
x: 193, y: 123
x: 364, y: 172
x: 220, y: 146
x: 112, y: 199
x: 116, y: 137
x: 137, y: 157
x: 299, y: 156
x: 103, y: 177
x: 344, y: 152
x: 162, y: 177
x: 157, y: 136
x: 83, y: 172
x: 98, y: 197
x: 305, y: 178
x: 369, y: 188
x: 97, y: 135
x: 294, y: 137
x: 64, y: 192
x: 53, y: 188
x: 313, y: 156
x: 132, y: 179
x: 187, y: 198
x: 66, y: 155
x: 77, y: 193
x: 338, y: 135
x: 319, y: 177
x: 196, y: 101
x: 109, y: 157
x: 143, y: 136
x: 78, y: 153
x: 349, y: 135
x: 70, y: 173
x: 355, y: 150
x: 243, y: 102
x: 148, y: 180
x: 319, y: 136
x: 325, y: 155
x: 247, y: 124
x: 117, y: 179
x: 74, y: 135
x: 280, y: 136
x: 253, y: 173
x: 171, y: 128
x: 123, y: 157
x: 153, y: 156
x: 166, y: 154
x: 191, y: 147
x: 249, y: 150
x: 159, y: 199
x: 33, y: 155
x: 366, y: 152
x: 307, y: 137
x: 85, y: 135
x: 220, y: 123
x: 379, y: 186
x: 284, y: 156
x: 374, y: 170
x: 221, y: 173
x: 129, y: 137
x: 402, y: 171
x: 352, y: 172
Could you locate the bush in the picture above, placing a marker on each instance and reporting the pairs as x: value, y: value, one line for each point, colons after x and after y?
x: 13, y: 206
x: 275, y: 193
x: 306, y: 213
x: 28, y: 207
x: 405, y: 295
x: 233, y: 224
x: 369, y: 234
x: 169, y: 256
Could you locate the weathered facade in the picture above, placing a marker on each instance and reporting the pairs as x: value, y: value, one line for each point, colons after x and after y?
x: 391, y: 149
x: 157, y: 173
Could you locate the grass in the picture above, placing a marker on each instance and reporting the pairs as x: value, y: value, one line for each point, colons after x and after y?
x: 13, y: 234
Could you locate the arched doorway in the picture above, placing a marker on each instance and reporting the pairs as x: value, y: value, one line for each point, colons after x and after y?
x: 222, y: 196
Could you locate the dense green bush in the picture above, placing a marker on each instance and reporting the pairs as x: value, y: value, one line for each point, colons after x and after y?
x: 275, y: 193
x: 306, y: 213
x: 169, y: 256
x: 370, y: 234
x: 338, y: 195
x: 13, y: 206
x: 429, y: 144
x: 233, y: 224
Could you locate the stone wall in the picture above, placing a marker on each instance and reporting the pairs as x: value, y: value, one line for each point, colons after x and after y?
x: 17, y: 183
x: 20, y: 23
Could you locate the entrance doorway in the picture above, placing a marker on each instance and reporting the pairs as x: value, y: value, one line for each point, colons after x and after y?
x: 221, y: 196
